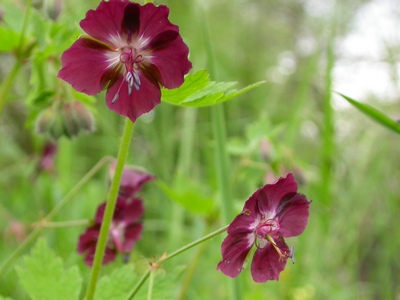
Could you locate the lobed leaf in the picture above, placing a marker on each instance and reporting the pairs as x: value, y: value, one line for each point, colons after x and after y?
x: 44, y: 278
x: 118, y: 285
x: 199, y: 91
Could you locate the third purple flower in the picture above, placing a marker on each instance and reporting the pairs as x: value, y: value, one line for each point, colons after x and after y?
x: 130, y: 50
x: 274, y: 212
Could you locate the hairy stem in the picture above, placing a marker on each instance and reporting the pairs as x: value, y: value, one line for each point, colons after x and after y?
x: 109, y: 209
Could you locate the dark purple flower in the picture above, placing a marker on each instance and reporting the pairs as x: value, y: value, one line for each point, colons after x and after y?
x: 130, y: 49
x: 274, y: 212
x: 132, y: 180
x: 125, y: 230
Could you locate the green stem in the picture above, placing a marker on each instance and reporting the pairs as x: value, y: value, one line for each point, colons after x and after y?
x: 7, y: 83
x: 45, y: 224
x: 328, y: 144
x: 221, y: 154
x: 109, y: 210
x: 151, y: 284
x: 35, y: 233
x: 222, y: 162
x: 183, y: 171
x: 172, y: 255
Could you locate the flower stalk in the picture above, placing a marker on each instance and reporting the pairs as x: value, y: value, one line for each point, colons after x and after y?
x: 110, y: 207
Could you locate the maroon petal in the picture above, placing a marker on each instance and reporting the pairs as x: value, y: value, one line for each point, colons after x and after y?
x: 271, y: 195
x: 235, y: 249
x: 109, y: 256
x: 251, y: 203
x: 100, y: 213
x: 267, y: 264
x: 105, y: 23
x: 133, y: 211
x: 139, y: 102
x: 132, y: 180
x: 88, y: 240
x: 293, y: 219
x: 130, y: 24
x: 133, y: 233
x: 172, y: 62
x: 243, y: 223
x: 154, y: 20
x: 84, y: 65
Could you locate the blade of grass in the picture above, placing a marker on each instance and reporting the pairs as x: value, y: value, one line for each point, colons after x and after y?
x: 374, y: 114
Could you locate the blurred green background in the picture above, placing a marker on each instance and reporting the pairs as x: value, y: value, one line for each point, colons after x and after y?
x: 345, y: 163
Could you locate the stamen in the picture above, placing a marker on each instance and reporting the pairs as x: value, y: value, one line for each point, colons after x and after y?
x: 115, y: 98
x: 133, y: 80
x: 282, y: 255
x: 291, y: 254
x: 136, y: 83
x: 131, y: 77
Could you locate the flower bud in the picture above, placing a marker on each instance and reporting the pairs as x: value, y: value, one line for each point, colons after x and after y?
x: 71, y: 125
x: 57, y: 128
x: 44, y: 120
x: 83, y: 116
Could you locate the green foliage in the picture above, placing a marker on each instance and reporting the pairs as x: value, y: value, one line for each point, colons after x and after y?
x: 117, y: 285
x: 120, y: 283
x: 189, y: 194
x: 9, y: 39
x: 44, y: 278
x: 199, y: 91
x: 374, y: 114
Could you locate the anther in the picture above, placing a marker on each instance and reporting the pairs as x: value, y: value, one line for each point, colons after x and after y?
x: 291, y: 254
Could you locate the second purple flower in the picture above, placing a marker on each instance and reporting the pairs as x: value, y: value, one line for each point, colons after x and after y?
x: 274, y: 212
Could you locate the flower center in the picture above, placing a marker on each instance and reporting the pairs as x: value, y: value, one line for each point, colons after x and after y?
x: 270, y: 226
x: 117, y: 235
x: 130, y: 59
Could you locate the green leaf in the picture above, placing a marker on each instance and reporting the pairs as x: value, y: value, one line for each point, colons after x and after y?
x: 374, y: 114
x: 2, y: 298
x: 9, y: 39
x: 199, y: 91
x: 118, y: 285
x: 43, y: 276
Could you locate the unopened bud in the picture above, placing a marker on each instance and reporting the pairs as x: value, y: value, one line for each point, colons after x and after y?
x: 83, y: 116
x: 57, y: 128
x: 44, y: 120
x: 53, y: 8
x: 71, y: 125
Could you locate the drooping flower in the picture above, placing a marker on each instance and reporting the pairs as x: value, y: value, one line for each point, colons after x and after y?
x: 125, y: 230
x: 274, y: 212
x: 130, y: 50
x: 132, y: 180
